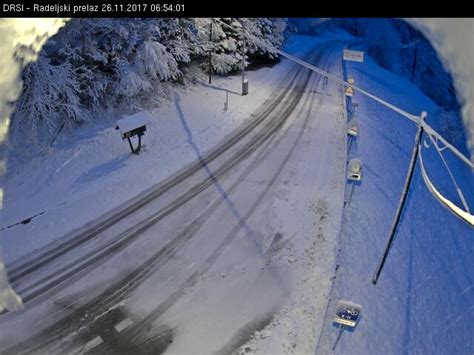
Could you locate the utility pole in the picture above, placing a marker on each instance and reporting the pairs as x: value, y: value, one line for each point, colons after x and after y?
x: 210, y: 53
x: 243, y: 55
x: 83, y: 38
x: 401, y: 205
x: 414, y: 62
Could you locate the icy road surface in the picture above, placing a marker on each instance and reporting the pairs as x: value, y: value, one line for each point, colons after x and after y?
x: 237, y: 246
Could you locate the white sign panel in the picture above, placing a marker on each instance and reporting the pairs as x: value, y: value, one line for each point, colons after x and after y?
x: 355, y: 56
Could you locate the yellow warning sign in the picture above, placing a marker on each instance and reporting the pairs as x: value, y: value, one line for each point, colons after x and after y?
x: 349, y: 91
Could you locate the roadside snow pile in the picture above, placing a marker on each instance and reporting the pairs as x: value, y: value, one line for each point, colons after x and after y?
x: 9, y: 300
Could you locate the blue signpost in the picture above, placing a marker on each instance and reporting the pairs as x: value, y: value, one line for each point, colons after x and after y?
x: 347, y: 315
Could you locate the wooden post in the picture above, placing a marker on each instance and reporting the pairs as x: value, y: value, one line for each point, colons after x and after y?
x: 401, y: 204
x: 131, y: 145
x: 139, y: 143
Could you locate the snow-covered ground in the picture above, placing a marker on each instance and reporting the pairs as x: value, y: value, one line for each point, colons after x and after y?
x: 91, y: 171
x: 423, y: 302
x: 240, y: 253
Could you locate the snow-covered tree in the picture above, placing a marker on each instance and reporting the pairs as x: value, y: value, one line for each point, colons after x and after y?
x: 264, y: 35
x: 49, y: 97
x: 155, y: 62
x: 231, y: 37
x: 130, y: 85
x: 180, y: 37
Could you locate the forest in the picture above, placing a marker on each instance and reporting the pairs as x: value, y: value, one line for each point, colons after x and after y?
x: 97, y: 65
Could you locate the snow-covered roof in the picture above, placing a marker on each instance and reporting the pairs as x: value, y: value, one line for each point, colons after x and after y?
x: 129, y: 123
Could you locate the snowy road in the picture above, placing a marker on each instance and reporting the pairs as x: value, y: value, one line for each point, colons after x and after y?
x: 242, y: 239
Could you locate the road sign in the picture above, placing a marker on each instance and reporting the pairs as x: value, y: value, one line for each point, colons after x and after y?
x: 354, y: 56
x: 349, y: 91
x: 353, y: 128
x: 347, y: 313
x: 354, y: 171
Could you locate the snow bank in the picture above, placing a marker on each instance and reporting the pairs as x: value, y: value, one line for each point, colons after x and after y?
x: 21, y: 38
x: 8, y: 298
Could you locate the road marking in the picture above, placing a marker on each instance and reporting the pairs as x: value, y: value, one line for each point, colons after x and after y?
x: 92, y: 344
x: 123, y: 324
